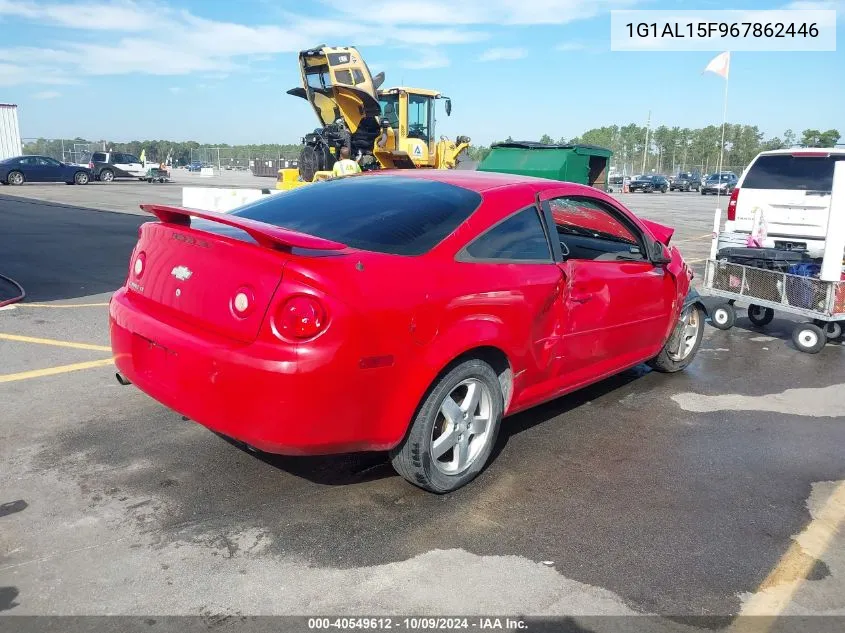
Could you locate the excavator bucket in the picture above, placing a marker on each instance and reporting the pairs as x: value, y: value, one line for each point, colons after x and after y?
x: 338, y: 85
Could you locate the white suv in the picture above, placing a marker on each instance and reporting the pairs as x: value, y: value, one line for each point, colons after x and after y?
x: 792, y: 189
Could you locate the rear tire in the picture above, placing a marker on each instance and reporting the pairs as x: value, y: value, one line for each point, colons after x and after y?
x: 759, y: 315
x: 723, y: 316
x: 15, y: 178
x: 809, y: 338
x: 832, y: 329
x: 683, y: 344
x: 107, y: 175
x: 450, y: 440
x: 80, y: 178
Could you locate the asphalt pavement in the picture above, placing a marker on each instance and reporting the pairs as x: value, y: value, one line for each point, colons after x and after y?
x: 697, y: 494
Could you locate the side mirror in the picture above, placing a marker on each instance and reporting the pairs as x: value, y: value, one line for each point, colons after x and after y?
x: 659, y: 255
x: 448, y: 107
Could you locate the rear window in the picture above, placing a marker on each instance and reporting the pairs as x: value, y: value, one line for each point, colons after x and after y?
x: 385, y: 214
x: 98, y: 157
x: 806, y: 173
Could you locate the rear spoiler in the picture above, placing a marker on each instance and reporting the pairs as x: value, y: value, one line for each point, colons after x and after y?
x: 266, y: 235
x: 661, y: 232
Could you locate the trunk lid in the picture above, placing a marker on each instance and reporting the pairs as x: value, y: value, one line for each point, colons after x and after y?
x: 212, y: 279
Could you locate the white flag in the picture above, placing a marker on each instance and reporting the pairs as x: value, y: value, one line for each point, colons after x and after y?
x: 720, y: 64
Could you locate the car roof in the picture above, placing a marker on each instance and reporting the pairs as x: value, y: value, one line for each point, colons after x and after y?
x: 481, y: 181
x: 804, y: 150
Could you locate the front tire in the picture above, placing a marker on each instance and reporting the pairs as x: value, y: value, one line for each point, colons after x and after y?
x: 809, y: 338
x: 453, y: 433
x: 683, y: 344
x: 723, y: 316
x: 15, y: 178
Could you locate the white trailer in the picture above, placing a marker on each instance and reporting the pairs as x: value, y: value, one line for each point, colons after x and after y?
x: 10, y: 132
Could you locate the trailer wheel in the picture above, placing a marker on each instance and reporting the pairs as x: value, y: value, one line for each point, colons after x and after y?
x: 809, y: 338
x: 832, y: 329
x: 723, y: 316
x: 759, y: 315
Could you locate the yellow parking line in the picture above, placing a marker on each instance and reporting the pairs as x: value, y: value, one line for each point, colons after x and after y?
x: 51, y: 371
x: 62, y: 305
x: 783, y: 582
x: 693, y: 239
x: 49, y: 341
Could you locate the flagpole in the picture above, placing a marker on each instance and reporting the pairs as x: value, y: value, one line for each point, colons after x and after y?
x: 722, y: 146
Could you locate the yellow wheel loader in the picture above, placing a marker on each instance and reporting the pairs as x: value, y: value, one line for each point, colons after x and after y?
x: 384, y: 128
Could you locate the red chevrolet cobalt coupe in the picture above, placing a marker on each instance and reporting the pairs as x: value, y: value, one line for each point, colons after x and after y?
x: 398, y: 311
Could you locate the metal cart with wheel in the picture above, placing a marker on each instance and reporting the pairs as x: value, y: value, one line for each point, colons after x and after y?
x: 156, y: 174
x: 822, y: 303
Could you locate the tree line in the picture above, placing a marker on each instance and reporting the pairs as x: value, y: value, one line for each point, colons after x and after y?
x: 181, y: 152
x: 673, y: 149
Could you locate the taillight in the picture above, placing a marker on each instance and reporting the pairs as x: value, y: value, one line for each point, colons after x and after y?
x: 732, y: 204
x: 90, y: 165
x: 139, y: 264
x: 242, y: 302
x: 301, y: 317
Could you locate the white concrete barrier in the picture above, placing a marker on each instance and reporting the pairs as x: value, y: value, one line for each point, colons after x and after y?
x: 220, y: 199
x: 206, y: 172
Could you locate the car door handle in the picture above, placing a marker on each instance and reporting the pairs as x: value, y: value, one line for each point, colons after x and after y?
x: 580, y: 298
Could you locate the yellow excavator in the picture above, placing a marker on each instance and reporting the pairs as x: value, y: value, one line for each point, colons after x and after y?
x: 389, y: 128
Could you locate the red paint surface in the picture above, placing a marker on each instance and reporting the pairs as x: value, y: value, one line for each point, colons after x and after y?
x: 390, y: 323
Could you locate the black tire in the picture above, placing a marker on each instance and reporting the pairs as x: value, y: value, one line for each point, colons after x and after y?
x: 80, y: 178
x: 15, y: 178
x: 663, y: 189
x: 703, y: 193
x: 723, y: 316
x: 759, y: 315
x: 832, y: 329
x: 107, y: 175
x: 809, y: 338
x: 669, y: 360
x: 413, y: 459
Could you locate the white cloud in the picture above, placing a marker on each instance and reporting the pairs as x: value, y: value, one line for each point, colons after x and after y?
x: 480, y: 12
x: 426, y: 59
x: 150, y: 37
x: 570, y: 46
x: 47, y: 94
x: 498, y: 54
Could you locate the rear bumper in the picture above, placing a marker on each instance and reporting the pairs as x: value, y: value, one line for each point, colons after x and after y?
x: 733, y: 238
x: 257, y: 393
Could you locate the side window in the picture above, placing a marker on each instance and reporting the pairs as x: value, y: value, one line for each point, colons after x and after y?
x: 48, y: 162
x: 589, y: 229
x: 129, y: 158
x: 343, y: 77
x: 518, y: 238
x: 419, y: 115
x: 28, y: 161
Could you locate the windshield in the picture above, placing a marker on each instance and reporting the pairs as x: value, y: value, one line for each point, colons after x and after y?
x: 722, y: 178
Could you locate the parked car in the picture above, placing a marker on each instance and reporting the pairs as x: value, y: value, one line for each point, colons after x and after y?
x: 106, y: 166
x: 685, y: 181
x: 195, y: 166
x: 723, y: 184
x: 792, y: 188
x: 21, y: 169
x: 649, y: 184
x: 293, y: 333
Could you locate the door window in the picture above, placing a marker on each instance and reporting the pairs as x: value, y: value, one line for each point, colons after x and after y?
x: 589, y: 229
x: 419, y: 117
x: 129, y: 158
x: 518, y: 238
x: 48, y: 162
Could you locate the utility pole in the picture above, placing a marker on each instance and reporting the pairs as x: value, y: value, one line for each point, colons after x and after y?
x: 645, y: 148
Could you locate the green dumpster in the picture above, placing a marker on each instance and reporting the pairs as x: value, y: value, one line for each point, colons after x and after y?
x: 582, y: 164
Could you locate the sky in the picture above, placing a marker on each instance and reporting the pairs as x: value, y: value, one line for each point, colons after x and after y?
x: 217, y: 71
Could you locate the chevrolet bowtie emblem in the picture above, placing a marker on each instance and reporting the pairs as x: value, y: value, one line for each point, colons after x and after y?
x: 182, y: 273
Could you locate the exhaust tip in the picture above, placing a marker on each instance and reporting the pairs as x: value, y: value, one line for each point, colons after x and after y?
x: 121, y: 379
